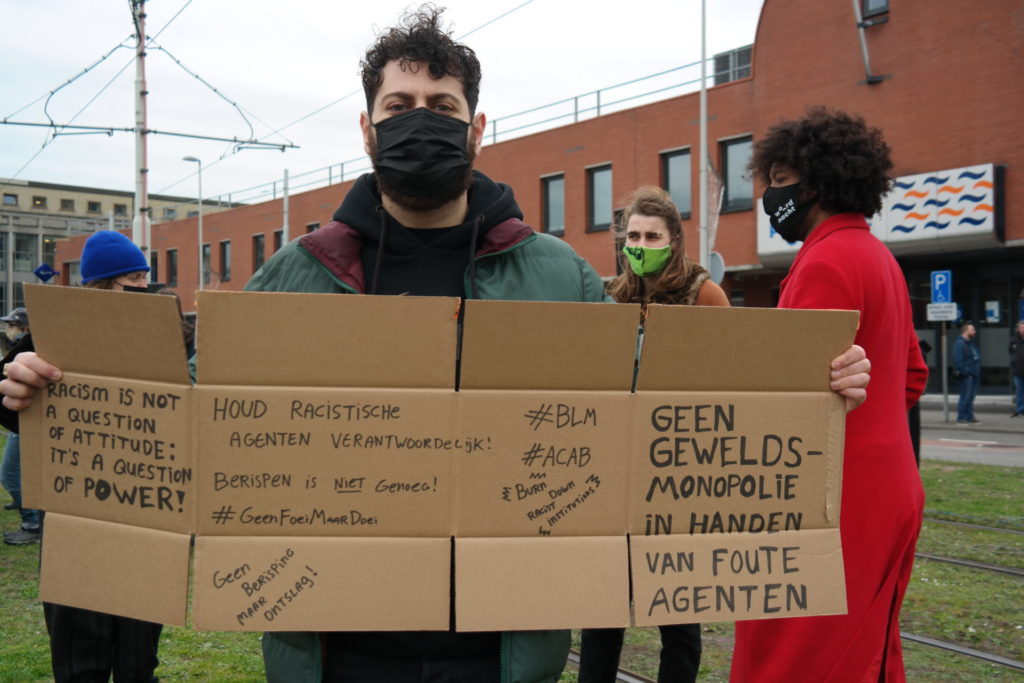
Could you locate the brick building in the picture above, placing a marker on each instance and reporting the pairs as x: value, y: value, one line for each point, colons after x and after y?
x: 946, y: 85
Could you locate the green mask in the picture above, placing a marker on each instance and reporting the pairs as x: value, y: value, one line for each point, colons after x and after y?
x: 646, y: 261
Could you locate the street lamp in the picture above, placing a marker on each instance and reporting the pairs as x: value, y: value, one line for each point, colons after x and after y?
x: 201, y: 264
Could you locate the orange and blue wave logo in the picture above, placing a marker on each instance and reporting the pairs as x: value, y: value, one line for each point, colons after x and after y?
x: 962, y: 199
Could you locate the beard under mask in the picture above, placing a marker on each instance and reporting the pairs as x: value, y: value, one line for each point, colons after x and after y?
x: 424, y: 161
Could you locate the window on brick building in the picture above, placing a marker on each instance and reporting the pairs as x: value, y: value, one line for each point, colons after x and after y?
x: 554, y: 204
x: 225, y: 261
x: 172, y: 267
x: 93, y: 207
x: 310, y: 227
x: 206, y: 264
x: 278, y: 240
x: 676, y: 179
x: 733, y: 65
x: 258, y: 252
x: 10, y: 199
x: 599, y: 198
x: 120, y: 209
x: 739, y: 186
x: 39, y: 202
x: 154, y: 266
x: 67, y: 205
x: 170, y: 213
x: 871, y: 7
x: 24, y: 253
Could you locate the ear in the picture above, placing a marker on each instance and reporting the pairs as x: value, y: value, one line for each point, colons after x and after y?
x: 479, y: 125
x: 367, y: 128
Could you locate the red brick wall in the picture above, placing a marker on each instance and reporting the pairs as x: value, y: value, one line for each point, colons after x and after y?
x: 953, y: 96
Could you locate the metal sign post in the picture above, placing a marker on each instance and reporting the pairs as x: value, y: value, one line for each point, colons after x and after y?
x: 944, y: 309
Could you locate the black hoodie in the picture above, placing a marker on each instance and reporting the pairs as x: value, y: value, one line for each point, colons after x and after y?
x: 422, y: 262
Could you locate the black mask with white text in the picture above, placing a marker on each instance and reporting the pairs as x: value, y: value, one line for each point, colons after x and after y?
x: 785, y: 210
x: 418, y: 152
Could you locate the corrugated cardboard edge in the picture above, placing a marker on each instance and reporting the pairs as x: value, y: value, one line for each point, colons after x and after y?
x: 30, y: 424
x: 346, y: 341
x: 354, y: 584
x: 116, y: 569
x: 673, y: 332
x: 824, y: 570
x: 539, y: 345
x: 836, y: 441
x: 540, y: 583
x: 118, y: 334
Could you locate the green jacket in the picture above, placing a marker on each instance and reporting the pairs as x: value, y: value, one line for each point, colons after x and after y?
x: 512, y: 263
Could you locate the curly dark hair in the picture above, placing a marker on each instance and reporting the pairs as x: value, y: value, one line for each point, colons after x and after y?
x: 839, y: 158
x: 420, y: 37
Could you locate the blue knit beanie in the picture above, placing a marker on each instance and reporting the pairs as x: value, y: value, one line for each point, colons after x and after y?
x: 108, y: 254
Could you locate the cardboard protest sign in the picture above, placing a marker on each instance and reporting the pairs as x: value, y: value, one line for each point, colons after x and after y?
x: 110, y: 450
x: 541, y: 515
x: 735, y: 494
x: 333, y: 473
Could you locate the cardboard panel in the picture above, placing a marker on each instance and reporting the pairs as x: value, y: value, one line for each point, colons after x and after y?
x: 710, y: 462
x: 758, y: 349
x: 98, y: 332
x: 682, y: 579
x: 318, y: 462
x: 117, y: 450
x: 534, y: 345
x: 323, y: 340
x: 322, y: 584
x: 554, y: 464
x: 114, y: 568
x: 539, y: 583
x: 30, y: 444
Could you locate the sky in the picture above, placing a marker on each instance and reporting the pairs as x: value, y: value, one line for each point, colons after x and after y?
x: 282, y: 61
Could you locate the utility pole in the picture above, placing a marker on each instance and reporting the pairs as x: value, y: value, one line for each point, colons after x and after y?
x: 705, y: 247
x: 140, y: 222
x: 285, y: 237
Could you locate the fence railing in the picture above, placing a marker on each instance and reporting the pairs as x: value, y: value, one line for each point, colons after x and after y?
x: 643, y: 90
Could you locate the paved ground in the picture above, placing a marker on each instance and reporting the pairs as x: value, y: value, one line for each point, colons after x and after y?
x: 998, y: 440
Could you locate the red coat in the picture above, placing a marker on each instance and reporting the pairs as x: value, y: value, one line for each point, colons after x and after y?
x: 842, y: 266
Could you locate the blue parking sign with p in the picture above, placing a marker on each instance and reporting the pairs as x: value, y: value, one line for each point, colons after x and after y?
x: 942, y: 286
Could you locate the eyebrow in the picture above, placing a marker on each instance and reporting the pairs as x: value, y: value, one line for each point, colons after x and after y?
x: 436, y: 97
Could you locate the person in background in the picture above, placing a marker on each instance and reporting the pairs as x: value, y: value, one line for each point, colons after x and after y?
x: 1017, y: 369
x: 825, y: 172
x: 657, y: 271
x: 188, y: 329
x: 87, y: 645
x: 31, y: 529
x: 967, y: 363
x: 914, y: 417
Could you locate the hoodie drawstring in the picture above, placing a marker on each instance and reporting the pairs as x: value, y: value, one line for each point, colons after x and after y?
x: 472, y: 256
x: 380, y: 248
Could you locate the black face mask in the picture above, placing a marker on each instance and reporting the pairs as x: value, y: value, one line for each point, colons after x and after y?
x: 420, y: 151
x: 785, y: 212
x: 138, y: 290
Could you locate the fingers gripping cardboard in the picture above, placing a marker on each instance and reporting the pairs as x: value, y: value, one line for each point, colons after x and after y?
x: 327, y: 473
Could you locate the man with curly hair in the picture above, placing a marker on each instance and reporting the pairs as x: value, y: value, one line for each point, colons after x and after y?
x: 425, y: 223
x: 825, y: 173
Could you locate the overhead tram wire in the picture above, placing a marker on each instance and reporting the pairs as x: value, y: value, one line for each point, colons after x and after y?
x: 71, y: 80
x: 342, y: 98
